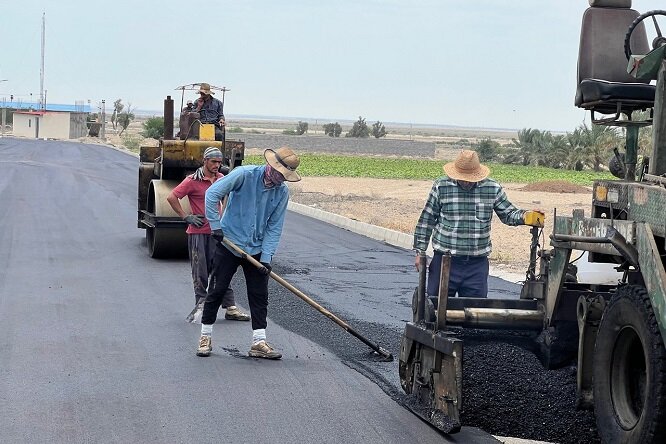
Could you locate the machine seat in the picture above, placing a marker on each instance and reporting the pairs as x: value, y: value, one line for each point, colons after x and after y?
x: 603, y: 96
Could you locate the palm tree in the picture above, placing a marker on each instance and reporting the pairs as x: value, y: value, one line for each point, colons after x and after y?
x: 644, y: 134
x: 599, y: 143
x: 572, y: 152
x: 525, y: 143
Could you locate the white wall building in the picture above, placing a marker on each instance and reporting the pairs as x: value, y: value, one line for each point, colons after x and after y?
x: 50, y: 124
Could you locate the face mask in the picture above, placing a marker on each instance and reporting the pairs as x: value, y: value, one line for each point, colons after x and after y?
x: 273, y: 176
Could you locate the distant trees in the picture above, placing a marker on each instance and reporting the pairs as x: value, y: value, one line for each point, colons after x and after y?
x: 117, y: 109
x: 378, y: 129
x: 332, y: 129
x: 124, y: 118
x: 585, y: 146
x: 359, y: 129
x: 301, y: 129
x: 487, y: 149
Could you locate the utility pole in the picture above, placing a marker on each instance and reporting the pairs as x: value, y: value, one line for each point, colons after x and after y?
x: 42, y: 97
x: 3, y: 122
x: 102, y: 134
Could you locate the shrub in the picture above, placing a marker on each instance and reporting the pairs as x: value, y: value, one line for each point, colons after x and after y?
x: 360, y: 129
x: 378, y: 129
x: 153, y: 128
x: 302, y: 128
x: 332, y: 129
x: 486, y: 149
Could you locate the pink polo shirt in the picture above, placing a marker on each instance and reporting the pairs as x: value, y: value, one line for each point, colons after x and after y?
x: 195, y: 190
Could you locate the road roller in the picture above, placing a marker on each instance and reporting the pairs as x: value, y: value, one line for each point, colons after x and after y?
x: 163, y: 167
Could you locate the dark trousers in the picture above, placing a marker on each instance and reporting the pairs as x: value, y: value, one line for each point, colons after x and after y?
x: 202, y: 248
x: 225, y: 265
x: 468, y: 276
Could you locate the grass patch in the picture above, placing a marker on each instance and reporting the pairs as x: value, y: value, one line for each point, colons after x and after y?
x: 419, y: 169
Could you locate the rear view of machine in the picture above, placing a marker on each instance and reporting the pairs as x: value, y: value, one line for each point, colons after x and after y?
x: 163, y: 167
x: 615, y: 331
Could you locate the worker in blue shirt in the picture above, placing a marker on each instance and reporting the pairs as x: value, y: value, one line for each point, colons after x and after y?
x: 253, y: 219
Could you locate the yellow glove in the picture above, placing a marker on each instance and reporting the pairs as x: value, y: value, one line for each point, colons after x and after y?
x: 534, y: 218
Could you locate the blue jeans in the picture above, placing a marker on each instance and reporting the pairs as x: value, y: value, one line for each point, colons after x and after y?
x: 468, y: 276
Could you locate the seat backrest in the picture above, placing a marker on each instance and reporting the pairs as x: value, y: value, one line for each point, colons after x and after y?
x: 601, y: 51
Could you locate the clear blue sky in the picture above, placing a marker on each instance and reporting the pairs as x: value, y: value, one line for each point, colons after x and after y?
x: 483, y: 63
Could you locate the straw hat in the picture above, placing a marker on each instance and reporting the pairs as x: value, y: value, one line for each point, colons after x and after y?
x: 285, y: 161
x: 467, y: 167
x: 205, y: 88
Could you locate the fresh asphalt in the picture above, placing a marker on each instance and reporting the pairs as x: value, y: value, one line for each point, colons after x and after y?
x: 94, y: 346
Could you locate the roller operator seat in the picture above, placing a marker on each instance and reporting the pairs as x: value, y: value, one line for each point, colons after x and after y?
x: 604, y: 86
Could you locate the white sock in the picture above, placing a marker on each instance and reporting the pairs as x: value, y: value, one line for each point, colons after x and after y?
x: 206, y: 330
x: 258, y: 335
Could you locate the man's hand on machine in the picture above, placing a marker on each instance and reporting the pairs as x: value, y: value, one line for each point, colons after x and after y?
x: 194, y: 219
x: 218, y: 235
x: 534, y: 218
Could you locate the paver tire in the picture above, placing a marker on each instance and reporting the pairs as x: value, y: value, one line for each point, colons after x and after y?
x: 630, y: 371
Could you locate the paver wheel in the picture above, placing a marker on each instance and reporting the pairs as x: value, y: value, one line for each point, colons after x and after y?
x: 630, y: 371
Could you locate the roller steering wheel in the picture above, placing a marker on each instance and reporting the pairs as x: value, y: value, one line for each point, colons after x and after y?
x: 657, y: 42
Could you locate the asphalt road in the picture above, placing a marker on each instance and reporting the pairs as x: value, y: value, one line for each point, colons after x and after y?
x: 94, y: 346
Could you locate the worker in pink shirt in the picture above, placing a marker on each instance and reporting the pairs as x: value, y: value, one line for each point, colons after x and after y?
x: 201, y: 245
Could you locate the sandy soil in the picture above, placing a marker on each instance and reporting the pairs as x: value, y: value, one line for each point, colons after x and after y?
x: 397, y: 204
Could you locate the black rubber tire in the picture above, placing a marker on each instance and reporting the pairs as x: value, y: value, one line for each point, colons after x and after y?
x: 630, y: 371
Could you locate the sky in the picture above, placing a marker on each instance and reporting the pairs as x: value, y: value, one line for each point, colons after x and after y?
x: 484, y: 63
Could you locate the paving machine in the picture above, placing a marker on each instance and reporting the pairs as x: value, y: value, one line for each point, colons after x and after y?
x: 164, y: 166
x: 616, y: 330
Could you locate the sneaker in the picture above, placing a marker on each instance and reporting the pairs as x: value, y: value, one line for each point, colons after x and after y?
x: 262, y: 350
x: 234, y: 314
x: 205, y: 346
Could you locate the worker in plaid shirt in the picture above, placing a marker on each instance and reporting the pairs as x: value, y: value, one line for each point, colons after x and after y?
x: 457, y: 215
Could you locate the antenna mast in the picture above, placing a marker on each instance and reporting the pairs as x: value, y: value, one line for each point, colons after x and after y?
x: 42, y: 99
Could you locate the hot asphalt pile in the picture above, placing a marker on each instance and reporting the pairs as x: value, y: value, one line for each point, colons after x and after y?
x: 506, y: 390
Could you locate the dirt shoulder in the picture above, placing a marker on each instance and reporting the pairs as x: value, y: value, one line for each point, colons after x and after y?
x: 397, y: 204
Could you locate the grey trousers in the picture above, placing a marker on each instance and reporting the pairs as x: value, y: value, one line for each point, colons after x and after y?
x: 201, y: 248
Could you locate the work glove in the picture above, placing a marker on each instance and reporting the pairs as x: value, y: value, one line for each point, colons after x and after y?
x: 218, y: 235
x: 194, y: 219
x: 534, y: 218
x: 265, y: 268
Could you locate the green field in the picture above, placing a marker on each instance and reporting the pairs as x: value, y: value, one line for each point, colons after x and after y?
x: 418, y: 169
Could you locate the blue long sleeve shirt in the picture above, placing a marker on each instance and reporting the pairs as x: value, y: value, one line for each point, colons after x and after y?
x: 254, y: 214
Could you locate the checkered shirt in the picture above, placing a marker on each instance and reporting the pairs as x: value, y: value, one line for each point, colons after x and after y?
x: 459, y: 220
